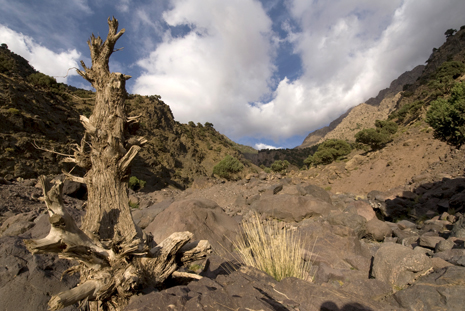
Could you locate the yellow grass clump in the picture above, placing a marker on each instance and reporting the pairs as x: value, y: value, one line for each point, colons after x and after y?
x: 272, y: 249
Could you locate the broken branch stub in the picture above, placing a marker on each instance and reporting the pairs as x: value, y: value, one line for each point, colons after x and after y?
x: 116, y: 259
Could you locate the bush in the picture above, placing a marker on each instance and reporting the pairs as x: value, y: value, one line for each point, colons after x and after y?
x: 279, y: 166
x: 447, y: 117
x: 136, y: 183
x: 229, y: 165
x: 42, y: 80
x: 329, y: 151
x: 271, y: 249
x: 372, y: 137
x: 377, y: 137
x: 388, y: 126
x: 412, y: 110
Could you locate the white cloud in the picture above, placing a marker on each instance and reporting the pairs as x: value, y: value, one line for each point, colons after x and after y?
x: 214, y: 71
x: 261, y: 146
x: 41, y: 58
x: 221, y: 71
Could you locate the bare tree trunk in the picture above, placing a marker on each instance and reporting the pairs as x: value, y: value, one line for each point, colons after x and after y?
x: 116, y: 259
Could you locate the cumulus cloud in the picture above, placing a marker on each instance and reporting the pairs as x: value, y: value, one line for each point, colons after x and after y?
x: 222, y: 69
x: 41, y: 58
x: 260, y: 146
x: 212, y: 73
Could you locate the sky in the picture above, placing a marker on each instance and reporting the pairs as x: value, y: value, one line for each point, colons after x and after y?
x: 265, y: 73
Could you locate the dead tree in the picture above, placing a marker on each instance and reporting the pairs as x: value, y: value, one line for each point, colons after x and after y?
x: 116, y: 259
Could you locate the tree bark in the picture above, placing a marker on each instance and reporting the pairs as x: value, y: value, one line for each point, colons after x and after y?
x: 116, y: 258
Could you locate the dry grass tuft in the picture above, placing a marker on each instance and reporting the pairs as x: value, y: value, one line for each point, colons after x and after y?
x: 272, y: 249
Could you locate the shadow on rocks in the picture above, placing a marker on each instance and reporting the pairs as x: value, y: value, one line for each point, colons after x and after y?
x: 331, y: 306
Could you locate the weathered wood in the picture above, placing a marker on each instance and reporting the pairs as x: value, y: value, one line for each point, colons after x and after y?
x: 114, y: 254
x: 65, y: 238
x: 74, y: 295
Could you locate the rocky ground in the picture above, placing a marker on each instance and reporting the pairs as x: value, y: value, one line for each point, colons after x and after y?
x: 394, y: 249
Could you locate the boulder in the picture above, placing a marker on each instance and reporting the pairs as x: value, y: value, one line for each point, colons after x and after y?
x: 143, y: 217
x: 453, y: 256
x: 440, y: 290
x: 291, y: 208
x: 444, y: 245
x: 313, y: 297
x: 317, y: 192
x: 27, y: 281
x: 202, y: 217
x: 430, y: 241
x: 405, y: 224
x: 399, y: 265
x: 458, y: 230
x: 354, y: 221
x: 75, y: 189
x: 378, y: 230
x: 364, y: 209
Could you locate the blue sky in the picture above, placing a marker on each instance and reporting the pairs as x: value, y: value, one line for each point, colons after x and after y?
x: 265, y: 73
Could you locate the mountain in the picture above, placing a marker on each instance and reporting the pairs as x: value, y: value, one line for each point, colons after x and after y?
x: 364, y: 114
x: 39, y: 123
x: 393, y: 98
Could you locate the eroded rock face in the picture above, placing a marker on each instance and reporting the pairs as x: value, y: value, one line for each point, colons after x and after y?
x: 399, y: 265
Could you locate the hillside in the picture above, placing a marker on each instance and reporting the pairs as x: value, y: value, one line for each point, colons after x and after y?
x: 414, y: 153
x: 399, y: 93
x: 35, y: 111
x: 364, y: 114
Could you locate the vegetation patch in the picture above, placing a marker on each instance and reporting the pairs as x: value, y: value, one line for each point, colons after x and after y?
x: 136, y: 183
x: 379, y: 136
x: 447, y: 117
x: 271, y: 249
x: 229, y: 165
x: 329, y: 151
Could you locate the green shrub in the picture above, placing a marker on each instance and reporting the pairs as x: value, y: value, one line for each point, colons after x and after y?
x: 329, y: 151
x: 388, y: 126
x: 136, y: 183
x: 412, y: 110
x: 13, y: 111
x: 447, y: 117
x: 377, y: 137
x: 229, y: 165
x: 279, y: 166
x: 40, y: 79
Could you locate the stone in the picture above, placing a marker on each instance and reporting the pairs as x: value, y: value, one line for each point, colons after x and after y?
x: 439, y: 263
x: 430, y: 241
x: 353, y: 221
x: 143, y: 217
x: 444, y: 245
x: 274, y: 189
x: 378, y: 230
x: 313, y: 297
x: 398, y: 265
x: 405, y: 224
x: 202, y: 217
x: 291, y: 208
x: 27, y: 281
x: 317, y: 192
x: 364, y: 209
x: 440, y: 290
x: 458, y: 230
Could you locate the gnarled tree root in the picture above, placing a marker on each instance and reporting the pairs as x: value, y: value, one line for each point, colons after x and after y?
x: 110, y: 274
